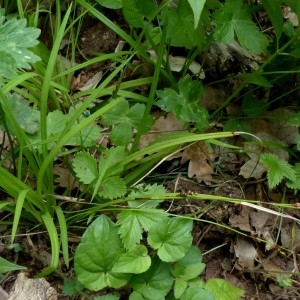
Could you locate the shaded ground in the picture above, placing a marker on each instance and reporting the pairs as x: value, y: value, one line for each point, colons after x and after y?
x: 245, y: 261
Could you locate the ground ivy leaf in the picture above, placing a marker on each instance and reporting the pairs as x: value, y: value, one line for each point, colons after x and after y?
x: 85, y: 167
x: 154, y: 283
x: 222, y: 289
x: 180, y: 286
x: 277, y: 169
x: 171, y: 238
x: 233, y: 18
x: 196, y: 293
x: 136, y: 260
x: 99, y: 249
x: 112, y: 187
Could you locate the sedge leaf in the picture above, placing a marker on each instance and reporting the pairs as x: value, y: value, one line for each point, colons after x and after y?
x: 6, y: 266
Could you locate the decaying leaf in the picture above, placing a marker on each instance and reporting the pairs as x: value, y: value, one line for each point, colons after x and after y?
x: 198, y: 154
x: 245, y: 253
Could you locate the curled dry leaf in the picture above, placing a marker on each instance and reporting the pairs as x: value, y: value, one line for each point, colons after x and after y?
x: 199, y: 155
x: 245, y: 253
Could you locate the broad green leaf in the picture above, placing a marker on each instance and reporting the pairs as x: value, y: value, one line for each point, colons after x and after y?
x: 171, y: 238
x: 113, y: 4
x: 179, y: 23
x: 252, y: 107
x: 277, y: 169
x: 197, y: 7
x: 190, y: 266
x: 85, y: 167
x: 100, y: 248
x: 152, y: 191
x: 234, y: 19
x: 121, y: 134
x: 15, y: 38
x: 72, y: 287
x: 26, y: 117
x: 56, y: 122
x: 135, y: 11
x: 195, y: 293
x: 180, y: 286
x: 223, y: 290
x: 112, y: 187
x: 296, y: 183
x: 237, y: 125
x: 155, y: 283
x: 274, y: 10
x: 6, y: 266
x: 185, y: 104
x: 133, y: 222
x: 107, y: 297
x: 136, y: 260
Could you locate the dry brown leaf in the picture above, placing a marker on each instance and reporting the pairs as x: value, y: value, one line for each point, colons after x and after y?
x: 245, y: 253
x: 212, y: 97
x: 163, y: 125
x: 198, y: 154
x: 64, y: 178
x: 242, y: 220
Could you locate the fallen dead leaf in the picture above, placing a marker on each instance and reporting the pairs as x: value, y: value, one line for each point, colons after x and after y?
x: 199, y: 156
x: 245, y: 253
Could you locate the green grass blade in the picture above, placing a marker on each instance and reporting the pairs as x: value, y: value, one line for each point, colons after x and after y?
x: 63, y: 234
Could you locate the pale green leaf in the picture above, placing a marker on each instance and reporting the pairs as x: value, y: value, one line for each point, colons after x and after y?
x: 85, y: 167
x: 136, y: 260
x: 100, y: 248
x: 180, y: 286
x: 56, y: 122
x: 197, y: 7
x: 171, y: 238
x: 121, y: 134
x: 277, y: 169
x: 6, y: 266
x: 223, y: 290
x: 155, y: 283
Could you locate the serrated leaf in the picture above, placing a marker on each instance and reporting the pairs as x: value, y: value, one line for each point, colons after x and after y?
x: 136, y: 260
x: 295, y: 184
x: 85, y: 167
x: 6, y: 266
x: 56, y: 122
x: 171, y: 238
x: 233, y: 19
x: 112, y: 187
x: 14, y: 39
x: 180, y: 27
x: 121, y: 134
x: 185, y: 104
x: 155, y: 283
x: 113, y: 4
x: 133, y: 222
x: 151, y: 190
x: 197, y: 7
x: 72, y: 287
x: 99, y: 249
x: 277, y: 169
x: 26, y: 117
x: 223, y: 290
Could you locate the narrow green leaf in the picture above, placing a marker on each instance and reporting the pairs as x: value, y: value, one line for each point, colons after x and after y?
x: 257, y: 79
x: 113, y: 4
x: 197, y: 7
x: 63, y: 234
x: 6, y: 266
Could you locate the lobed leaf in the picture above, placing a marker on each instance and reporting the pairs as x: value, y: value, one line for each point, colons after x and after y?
x: 85, y: 167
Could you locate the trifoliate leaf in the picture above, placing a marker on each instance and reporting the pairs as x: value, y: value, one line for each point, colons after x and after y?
x: 171, y: 238
x: 133, y: 222
x: 15, y: 38
x: 277, y: 169
x: 185, y: 104
x: 151, y: 190
x: 234, y: 19
x: 100, y: 248
x: 136, y: 260
x: 85, y: 167
x: 26, y: 117
x: 223, y: 290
